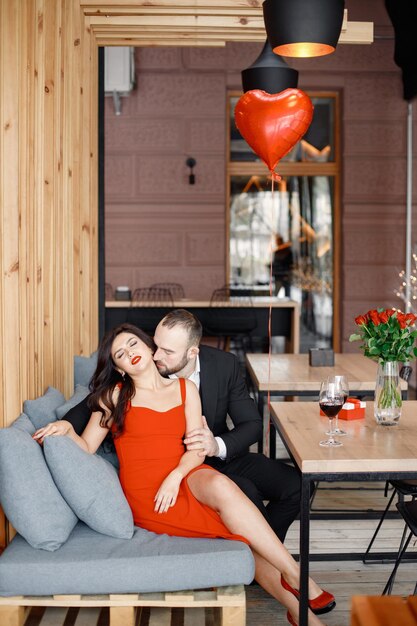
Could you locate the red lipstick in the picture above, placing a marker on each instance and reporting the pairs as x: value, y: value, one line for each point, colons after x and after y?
x: 136, y: 359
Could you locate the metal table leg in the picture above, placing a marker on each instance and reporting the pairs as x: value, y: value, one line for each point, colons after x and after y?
x: 304, y: 549
x: 261, y: 413
x: 272, y: 441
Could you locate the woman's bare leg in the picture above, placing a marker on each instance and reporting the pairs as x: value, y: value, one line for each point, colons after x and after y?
x: 242, y: 517
x: 268, y: 577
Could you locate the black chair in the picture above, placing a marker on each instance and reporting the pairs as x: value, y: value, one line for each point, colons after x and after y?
x: 176, y: 289
x: 231, y: 324
x: 149, y: 306
x: 408, y: 510
x: 401, y: 488
x: 153, y: 295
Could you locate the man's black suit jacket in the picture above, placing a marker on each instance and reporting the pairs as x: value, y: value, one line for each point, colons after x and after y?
x: 223, y: 392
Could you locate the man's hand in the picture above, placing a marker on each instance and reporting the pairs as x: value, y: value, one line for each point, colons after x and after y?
x: 202, y: 439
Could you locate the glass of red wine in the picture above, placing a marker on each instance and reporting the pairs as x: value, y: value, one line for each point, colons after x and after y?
x: 344, y: 385
x: 331, y: 400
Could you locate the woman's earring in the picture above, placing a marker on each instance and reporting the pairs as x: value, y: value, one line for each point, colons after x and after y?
x: 123, y: 374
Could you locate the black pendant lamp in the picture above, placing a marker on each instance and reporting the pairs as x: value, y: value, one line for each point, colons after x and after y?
x: 269, y: 72
x: 303, y: 28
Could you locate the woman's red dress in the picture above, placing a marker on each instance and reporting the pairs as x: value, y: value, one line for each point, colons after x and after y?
x: 149, y: 448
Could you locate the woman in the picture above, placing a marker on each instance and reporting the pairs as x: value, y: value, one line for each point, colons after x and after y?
x: 168, y: 488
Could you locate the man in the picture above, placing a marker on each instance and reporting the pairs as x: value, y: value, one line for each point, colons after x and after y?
x: 223, y: 393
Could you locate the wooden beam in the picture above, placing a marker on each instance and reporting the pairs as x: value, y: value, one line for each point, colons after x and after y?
x: 232, y: 20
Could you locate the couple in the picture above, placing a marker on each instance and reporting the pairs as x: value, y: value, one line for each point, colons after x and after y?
x: 168, y: 488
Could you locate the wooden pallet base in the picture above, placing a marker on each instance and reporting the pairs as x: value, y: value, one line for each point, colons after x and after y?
x: 229, y: 604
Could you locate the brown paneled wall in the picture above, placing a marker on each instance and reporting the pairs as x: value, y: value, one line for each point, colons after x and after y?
x: 158, y: 226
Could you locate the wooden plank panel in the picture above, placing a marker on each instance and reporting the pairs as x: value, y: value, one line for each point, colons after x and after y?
x: 28, y: 258
x: 50, y: 244
x: 12, y: 615
x: 122, y: 616
x: 233, y: 616
x: 72, y: 147
x: 89, y: 193
x: 180, y: 22
x: 150, y: 41
x: 107, y: 5
x: 95, y: 12
x: 9, y: 211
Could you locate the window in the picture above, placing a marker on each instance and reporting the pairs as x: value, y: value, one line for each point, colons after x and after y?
x: 297, y: 223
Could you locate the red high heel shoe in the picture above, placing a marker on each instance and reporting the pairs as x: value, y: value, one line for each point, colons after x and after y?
x: 324, y: 603
x: 291, y: 619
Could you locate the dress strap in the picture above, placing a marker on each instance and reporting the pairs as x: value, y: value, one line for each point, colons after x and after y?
x: 183, y: 388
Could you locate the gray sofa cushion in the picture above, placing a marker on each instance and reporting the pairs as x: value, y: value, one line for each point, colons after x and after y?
x: 84, y: 368
x: 41, y: 411
x: 90, y: 563
x: 79, y: 394
x: 23, y: 423
x: 91, y: 487
x: 28, y: 494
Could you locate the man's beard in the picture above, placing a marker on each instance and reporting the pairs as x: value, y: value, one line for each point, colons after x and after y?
x: 174, y: 369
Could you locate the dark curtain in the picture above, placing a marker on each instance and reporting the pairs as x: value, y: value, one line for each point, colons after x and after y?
x: 403, y: 15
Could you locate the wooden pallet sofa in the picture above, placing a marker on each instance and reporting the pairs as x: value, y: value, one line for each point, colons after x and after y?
x: 76, y: 544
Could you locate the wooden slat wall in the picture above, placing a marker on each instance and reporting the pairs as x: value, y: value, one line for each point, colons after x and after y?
x: 48, y: 198
x: 48, y: 283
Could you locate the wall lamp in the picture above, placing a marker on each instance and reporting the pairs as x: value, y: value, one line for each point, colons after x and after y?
x: 303, y: 28
x: 191, y: 163
x: 269, y: 72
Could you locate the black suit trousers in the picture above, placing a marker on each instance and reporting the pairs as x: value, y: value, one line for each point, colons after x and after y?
x: 263, y: 479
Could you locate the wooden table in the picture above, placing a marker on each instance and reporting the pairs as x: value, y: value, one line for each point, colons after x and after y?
x: 291, y: 375
x: 369, y: 452
x: 285, y: 320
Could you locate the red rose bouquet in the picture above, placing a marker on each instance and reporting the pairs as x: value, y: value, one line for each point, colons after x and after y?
x: 387, y: 335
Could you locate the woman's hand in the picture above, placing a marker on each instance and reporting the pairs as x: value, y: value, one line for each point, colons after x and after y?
x: 54, y: 429
x: 167, y: 493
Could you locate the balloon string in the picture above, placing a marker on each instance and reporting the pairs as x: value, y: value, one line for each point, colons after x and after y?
x: 268, y: 428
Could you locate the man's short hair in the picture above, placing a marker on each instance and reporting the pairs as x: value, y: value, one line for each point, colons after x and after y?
x: 181, y: 317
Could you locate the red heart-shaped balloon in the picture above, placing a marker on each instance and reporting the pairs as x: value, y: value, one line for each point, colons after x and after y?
x: 272, y: 124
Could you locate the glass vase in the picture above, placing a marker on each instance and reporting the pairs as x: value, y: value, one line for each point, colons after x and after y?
x: 388, y: 402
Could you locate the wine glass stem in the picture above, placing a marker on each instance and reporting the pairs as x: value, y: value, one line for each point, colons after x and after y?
x: 336, y: 424
x: 331, y: 438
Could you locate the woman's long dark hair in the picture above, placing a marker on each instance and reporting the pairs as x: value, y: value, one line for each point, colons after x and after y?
x: 107, y: 377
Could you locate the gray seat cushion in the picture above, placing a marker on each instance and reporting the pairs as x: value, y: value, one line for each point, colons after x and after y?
x: 91, y: 563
